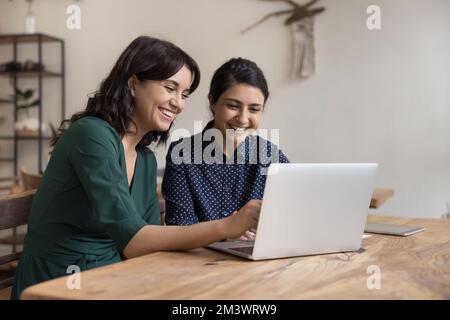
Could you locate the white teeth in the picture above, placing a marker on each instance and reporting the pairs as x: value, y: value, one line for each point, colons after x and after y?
x: 238, y: 130
x: 167, y: 113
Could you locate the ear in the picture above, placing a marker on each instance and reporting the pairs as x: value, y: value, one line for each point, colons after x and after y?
x: 132, y: 82
x: 211, y: 105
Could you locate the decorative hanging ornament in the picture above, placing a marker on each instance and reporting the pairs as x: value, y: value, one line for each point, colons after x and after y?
x: 301, y: 23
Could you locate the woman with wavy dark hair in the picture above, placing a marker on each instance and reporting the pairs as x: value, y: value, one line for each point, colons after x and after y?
x: 97, y: 201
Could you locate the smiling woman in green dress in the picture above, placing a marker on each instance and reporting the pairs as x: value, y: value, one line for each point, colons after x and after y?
x: 97, y: 201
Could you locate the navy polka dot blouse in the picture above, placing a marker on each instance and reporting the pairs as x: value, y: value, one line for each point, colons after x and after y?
x: 197, y: 189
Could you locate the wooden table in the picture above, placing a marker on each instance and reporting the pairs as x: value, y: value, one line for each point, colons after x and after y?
x: 414, y: 267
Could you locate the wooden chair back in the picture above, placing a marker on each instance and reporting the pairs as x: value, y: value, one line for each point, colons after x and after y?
x: 14, y: 211
x: 30, y: 181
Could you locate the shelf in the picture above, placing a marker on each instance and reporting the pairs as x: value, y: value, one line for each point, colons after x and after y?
x: 15, y: 137
x: 6, y: 101
x: 24, y: 138
x: 27, y: 74
x: 27, y: 38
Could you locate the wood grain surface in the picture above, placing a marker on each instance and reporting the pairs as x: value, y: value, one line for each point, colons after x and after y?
x: 414, y: 267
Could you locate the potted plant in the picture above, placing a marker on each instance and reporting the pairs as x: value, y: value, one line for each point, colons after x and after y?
x: 27, y: 126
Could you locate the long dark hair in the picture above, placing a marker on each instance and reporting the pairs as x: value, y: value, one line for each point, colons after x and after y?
x: 147, y: 58
x: 236, y: 71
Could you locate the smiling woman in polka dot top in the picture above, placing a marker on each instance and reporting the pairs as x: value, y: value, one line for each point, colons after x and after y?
x: 214, y: 181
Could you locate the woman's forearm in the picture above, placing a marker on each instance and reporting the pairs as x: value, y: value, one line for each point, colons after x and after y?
x: 153, y: 238
x: 159, y: 238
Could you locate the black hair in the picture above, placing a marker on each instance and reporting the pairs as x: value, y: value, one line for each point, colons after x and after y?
x: 237, y: 71
x: 149, y: 59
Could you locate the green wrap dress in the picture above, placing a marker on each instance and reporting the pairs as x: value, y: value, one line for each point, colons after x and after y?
x: 84, y: 213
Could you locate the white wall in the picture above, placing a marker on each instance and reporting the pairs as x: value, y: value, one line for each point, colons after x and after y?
x: 379, y: 96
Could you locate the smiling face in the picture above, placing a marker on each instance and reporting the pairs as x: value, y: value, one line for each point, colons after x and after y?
x: 158, y: 102
x: 239, y: 109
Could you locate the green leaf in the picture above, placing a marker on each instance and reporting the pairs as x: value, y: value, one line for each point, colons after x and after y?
x: 19, y: 93
x: 28, y: 94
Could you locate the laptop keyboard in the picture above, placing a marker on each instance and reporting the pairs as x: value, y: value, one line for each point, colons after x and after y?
x: 247, y: 250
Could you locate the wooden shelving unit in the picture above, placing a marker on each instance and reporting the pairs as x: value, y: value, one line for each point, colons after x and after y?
x: 15, y: 40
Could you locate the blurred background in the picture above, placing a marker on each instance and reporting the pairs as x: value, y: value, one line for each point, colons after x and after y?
x: 378, y: 95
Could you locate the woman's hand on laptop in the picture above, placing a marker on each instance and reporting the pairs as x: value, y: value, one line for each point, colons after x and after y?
x: 249, y: 235
x: 243, y: 221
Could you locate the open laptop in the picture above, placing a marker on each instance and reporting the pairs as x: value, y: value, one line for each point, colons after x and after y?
x: 309, y: 209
